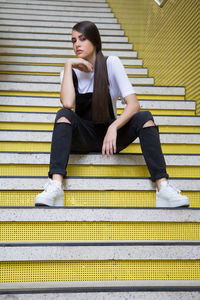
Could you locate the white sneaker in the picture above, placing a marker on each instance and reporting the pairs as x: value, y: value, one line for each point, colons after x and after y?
x: 169, y: 196
x: 53, y: 194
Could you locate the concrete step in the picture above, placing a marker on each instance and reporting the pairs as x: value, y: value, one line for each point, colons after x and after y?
x: 55, y: 102
x: 97, y: 251
x: 45, y: 136
x: 163, y: 104
x: 46, y: 214
x: 54, y: 30
x: 63, y: 52
x: 55, y: 88
x: 44, y: 12
x: 58, y: 44
x: 96, y: 184
x: 50, y: 118
x: 10, y: 80
x: 96, y: 159
x: 188, y: 290
x: 65, y: 23
x: 28, y: 7
x: 16, y: 68
x: 67, y: 18
x: 17, y: 58
x: 58, y: 3
x: 59, y: 37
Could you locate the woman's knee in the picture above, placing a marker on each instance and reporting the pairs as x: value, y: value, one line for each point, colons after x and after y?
x: 64, y: 115
x: 141, y: 117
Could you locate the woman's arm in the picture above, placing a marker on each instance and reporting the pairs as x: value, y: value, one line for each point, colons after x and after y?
x: 109, y: 143
x: 67, y: 92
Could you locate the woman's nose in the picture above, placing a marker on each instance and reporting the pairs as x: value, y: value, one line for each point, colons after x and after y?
x: 77, y: 44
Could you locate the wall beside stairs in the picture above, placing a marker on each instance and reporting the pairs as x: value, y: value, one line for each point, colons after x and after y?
x: 166, y: 39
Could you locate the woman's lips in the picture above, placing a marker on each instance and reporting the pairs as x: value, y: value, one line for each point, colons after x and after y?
x: 79, y: 51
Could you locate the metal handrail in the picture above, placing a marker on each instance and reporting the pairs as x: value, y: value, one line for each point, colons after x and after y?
x: 161, y: 4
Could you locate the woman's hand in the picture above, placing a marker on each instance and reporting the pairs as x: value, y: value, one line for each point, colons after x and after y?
x: 81, y: 64
x: 109, y: 142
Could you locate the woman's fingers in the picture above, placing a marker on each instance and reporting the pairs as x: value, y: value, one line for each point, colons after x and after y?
x: 109, y: 148
x: 82, y: 65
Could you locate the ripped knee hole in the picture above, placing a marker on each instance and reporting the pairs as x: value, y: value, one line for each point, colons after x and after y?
x: 63, y: 120
x: 149, y: 124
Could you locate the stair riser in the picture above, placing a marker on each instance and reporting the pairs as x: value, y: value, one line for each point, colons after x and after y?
x: 53, y: 109
x: 57, y: 44
x: 62, y: 37
x: 99, y: 231
x: 67, y: 18
x: 64, y: 12
x: 101, y: 271
x: 133, y: 148
x: 42, y: 8
x: 98, y: 171
x: 55, y: 60
x: 94, y: 198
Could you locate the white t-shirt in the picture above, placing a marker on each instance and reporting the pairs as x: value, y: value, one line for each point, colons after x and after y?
x: 119, y: 84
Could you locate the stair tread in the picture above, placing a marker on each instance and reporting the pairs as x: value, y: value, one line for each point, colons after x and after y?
x: 87, y: 253
x: 98, y: 214
x: 96, y: 159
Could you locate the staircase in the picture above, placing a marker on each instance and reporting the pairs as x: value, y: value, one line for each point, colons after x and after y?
x: 109, y: 241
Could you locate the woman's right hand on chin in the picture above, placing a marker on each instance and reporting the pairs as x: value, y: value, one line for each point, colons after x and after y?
x: 80, y: 63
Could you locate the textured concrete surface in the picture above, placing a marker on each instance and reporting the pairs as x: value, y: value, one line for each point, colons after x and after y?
x: 49, y: 79
x: 55, y: 102
x: 96, y: 159
x: 101, y: 184
x: 134, y: 252
x: 98, y: 215
x: 46, y: 136
x: 106, y: 295
x: 50, y: 117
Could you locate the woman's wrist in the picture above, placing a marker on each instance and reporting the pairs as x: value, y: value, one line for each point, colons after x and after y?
x: 68, y: 64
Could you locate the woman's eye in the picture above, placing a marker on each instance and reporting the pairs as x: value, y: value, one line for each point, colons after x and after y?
x: 73, y: 41
x: 82, y: 38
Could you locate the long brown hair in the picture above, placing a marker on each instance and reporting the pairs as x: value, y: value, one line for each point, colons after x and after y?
x: 100, y: 107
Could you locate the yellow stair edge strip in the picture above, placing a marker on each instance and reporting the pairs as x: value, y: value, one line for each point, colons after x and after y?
x: 94, y: 198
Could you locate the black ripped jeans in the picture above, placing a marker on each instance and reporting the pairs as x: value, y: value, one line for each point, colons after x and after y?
x: 83, y: 136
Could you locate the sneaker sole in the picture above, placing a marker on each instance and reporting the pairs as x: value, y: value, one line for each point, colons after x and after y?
x: 173, y: 205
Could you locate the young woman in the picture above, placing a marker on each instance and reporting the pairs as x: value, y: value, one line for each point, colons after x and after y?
x: 91, y: 84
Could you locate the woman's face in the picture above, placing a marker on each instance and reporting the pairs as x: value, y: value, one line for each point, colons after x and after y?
x: 83, y: 48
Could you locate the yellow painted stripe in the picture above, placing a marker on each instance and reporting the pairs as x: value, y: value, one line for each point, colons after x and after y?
x: 133, y: 148
x: 49, y: 126
x: 107, y: 270
x: 69, y: 231
x: 119, y: 111
x: 168, y: 148
x: 51, y: 64
x: 35, y: 55
x: 97, y: 171
x: 32, y: 94
x: 30, y: 73
x: 94, y: 198
x: 30, y: 108
x: 28, y: 63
